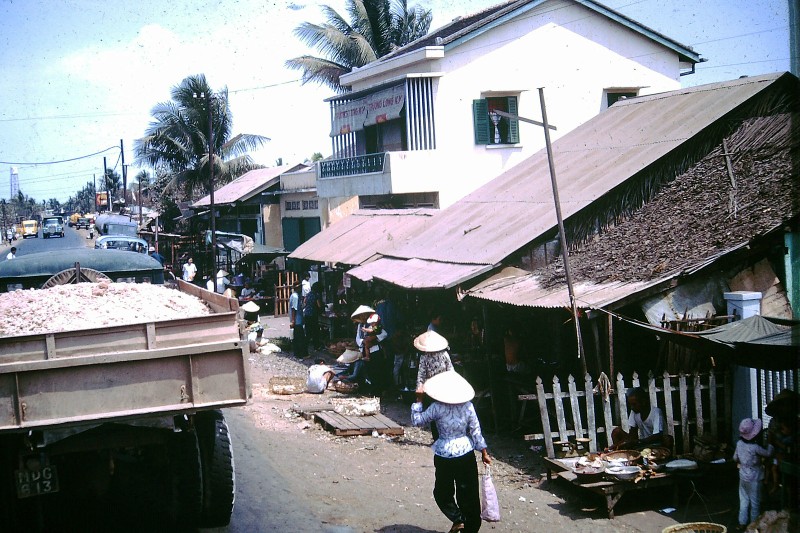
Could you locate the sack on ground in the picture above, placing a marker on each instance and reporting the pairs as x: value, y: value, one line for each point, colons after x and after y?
x: 490, y: 507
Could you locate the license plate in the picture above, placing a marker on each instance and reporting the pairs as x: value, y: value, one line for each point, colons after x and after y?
x: 33, y: 482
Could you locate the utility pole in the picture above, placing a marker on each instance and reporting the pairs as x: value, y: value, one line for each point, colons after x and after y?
x: 208, y: 99
x: 105, y: 180
x: 94, y: 179
x: 124, y: 175
x: 562, y: 236
x: 140, y: 204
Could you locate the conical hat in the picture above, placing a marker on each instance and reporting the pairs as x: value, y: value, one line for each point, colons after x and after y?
x: 222, y: 273
x: 362, y: 310
x: 251, y: 307
x: 349, y: 356
x: 787, y: 401
x: 449, y: 387
x: 430, y: 341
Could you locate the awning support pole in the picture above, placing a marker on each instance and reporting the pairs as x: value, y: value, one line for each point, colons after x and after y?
x: 561, y: 234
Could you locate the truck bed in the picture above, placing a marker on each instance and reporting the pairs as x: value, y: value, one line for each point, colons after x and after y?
x: 156, y: 368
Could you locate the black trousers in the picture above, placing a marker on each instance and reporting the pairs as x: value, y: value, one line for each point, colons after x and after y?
x: 456, y: 490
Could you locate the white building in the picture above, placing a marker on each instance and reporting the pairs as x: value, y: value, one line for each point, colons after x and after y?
x: 416, y: 129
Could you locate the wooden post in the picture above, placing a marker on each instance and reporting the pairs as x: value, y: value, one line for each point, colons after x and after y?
x: 591, y: 425
x: 712, y: 401
x: 684, y: 410
x: 576, y: 409
x: 698, y: 404
x: 541, y: 398
x: 557, y: 400
x: 668, y: 409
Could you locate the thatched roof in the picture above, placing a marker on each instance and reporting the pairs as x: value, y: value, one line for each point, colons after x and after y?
x: 702, y: 212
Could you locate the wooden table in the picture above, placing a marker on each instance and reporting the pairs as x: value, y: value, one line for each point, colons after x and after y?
x: 612, y: 490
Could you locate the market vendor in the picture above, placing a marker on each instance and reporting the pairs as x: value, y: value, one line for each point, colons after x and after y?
x: 646, y: 424
x: 369, y: 336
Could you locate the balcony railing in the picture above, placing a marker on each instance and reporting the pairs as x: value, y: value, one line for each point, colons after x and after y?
x: 363, y: 164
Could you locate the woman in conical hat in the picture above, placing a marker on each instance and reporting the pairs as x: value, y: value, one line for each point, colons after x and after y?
x: 433, y: 357
x: 455, y: 489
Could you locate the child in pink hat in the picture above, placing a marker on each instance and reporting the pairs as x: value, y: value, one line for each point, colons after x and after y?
x: 748, y: 455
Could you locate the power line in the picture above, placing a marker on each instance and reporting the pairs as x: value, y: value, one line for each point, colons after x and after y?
x: 61, y: 161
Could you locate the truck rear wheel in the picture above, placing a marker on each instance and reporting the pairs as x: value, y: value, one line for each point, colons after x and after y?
x: 219, y: 478
x: 186, y: 481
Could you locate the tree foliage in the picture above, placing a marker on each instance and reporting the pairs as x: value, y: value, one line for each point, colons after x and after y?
x: 375, y: 29
x: 176, y: 143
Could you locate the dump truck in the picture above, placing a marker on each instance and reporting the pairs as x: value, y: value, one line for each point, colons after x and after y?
x: 52, y: 226
x: 81, y: 408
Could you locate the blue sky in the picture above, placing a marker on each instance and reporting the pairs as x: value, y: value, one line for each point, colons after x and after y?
x: 78, y: 76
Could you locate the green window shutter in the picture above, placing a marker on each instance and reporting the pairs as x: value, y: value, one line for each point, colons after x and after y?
x: 480, y: 120
x: 513, y: 125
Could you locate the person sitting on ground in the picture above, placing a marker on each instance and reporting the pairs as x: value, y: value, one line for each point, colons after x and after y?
x: 646, y: 424
x: 319, y: 375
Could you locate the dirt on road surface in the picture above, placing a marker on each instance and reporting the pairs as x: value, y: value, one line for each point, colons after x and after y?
x: 383, y: 483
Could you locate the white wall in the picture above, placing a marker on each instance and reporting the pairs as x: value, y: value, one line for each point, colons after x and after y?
x: 571, y: 51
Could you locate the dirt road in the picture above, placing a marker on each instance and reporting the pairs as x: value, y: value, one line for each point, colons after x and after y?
x: 293, y: 475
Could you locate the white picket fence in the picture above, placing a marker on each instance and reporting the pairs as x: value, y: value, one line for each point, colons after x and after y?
x: 692, y: 405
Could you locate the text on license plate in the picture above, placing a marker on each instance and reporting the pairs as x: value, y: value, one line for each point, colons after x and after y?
x: 37, y: 481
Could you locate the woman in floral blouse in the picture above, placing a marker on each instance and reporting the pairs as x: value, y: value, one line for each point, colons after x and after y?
x: 455, y: 489
x: 433, y: 358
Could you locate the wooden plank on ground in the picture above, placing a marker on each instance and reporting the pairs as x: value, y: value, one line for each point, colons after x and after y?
x: 357, y: 425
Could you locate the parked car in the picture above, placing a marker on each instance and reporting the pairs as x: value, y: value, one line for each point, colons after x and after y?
x: 121, y: 242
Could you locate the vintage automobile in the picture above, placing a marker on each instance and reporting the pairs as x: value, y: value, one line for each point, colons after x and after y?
x: 83, y: 222
x: 121, y: 242
x: 52, y: 227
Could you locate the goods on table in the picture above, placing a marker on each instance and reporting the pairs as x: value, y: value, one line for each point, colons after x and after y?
x: 587, y: 473
x: 623, y: 473
x: 622, y: 457
x: 658, y: 453
x: 682, y: 464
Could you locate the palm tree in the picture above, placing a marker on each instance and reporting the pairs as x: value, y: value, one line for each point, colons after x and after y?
x: 376, y: 28
x: 177, y: 139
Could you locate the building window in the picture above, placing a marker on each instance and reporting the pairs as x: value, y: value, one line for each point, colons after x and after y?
x: 293, y: 205
x: 310, y: 204
x: 492, y: 128
x: 613, y: 95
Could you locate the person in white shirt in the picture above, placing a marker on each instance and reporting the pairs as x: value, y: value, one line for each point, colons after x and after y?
x: 189, y: 270
x: 222, y: 281
x: 319, y: 375
x: 13, y: 253
x: 646, y: 424
x: 306, y: 286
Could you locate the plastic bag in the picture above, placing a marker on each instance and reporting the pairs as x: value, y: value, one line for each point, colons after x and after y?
x: 490, y: 507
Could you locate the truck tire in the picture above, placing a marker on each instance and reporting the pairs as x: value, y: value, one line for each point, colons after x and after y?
x: 68, y: 276
x: 186, y: 477
x: 219, y: 477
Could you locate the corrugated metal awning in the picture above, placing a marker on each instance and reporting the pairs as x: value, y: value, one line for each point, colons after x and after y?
x: 362, y: 235
x: 417, y: 274
x: 521, y: 288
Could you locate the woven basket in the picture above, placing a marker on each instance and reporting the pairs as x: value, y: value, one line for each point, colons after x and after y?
x: 696, y: 527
